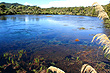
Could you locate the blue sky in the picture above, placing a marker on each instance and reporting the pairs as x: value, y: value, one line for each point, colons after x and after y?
x: 57, y: 3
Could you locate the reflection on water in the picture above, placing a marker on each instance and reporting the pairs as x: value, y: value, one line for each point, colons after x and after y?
x: 14, y: 18
x: 3, y: 18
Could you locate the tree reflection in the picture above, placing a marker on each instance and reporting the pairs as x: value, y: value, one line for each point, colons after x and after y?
x: 13, y: 18
x: 3, y: 18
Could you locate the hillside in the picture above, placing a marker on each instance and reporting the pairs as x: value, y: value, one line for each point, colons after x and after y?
x: 16, y: 8
x: 10, y: 4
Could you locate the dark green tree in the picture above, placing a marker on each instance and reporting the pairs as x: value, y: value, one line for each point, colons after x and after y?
x: 108, y: 9
x: 2, y: 7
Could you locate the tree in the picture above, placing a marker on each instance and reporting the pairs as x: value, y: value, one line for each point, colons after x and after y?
x: 93, y: 11
x: 108, y: 9
x: 2, y: 7
x: 12, y: 7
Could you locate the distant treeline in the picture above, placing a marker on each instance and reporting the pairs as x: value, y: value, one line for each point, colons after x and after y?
x: 15, y: 8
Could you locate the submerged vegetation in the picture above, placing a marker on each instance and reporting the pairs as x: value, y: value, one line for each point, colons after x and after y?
x: 21, y: 63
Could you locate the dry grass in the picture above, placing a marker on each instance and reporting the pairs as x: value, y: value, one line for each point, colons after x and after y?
x: 101, y: 13
x: 105, y: 42
x: 98, y: 7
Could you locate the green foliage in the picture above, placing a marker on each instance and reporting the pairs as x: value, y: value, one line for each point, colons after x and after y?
x: 77, y: 58
x: 2, y: 6
x: 52, y: 63
x: 6, y: 54
x: 16, y: 8
x: 108, y: 7
x: 10, y: 4
x: 93, y: 11
x: 12, y: 61
x: 107, y: 23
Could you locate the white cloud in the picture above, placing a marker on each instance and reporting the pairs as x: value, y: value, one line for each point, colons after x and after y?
x: 26, y: 3
x: 73, y: 3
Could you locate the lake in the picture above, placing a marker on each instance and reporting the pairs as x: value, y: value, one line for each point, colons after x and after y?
x: 51, y: 36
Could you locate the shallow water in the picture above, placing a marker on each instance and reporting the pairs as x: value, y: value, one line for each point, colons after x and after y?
x: 51, y: 36
x: 57, y: 29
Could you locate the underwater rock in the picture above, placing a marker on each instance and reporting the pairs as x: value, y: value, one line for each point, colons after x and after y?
x: 76, y: 40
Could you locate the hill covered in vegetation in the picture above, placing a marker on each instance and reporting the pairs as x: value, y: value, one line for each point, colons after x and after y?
x: 16, y: 8
x: 10, y: 4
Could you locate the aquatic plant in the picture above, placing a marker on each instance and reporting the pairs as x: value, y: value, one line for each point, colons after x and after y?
x: 87, y: 69
x: 105, y: 42
x: 101, y: 13
x: 81, y: 28
x: 78, y: 58
x: 20, y: 63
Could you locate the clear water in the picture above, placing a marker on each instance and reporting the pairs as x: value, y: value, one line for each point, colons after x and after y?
x: 30, y: 31
x: 53, y: 37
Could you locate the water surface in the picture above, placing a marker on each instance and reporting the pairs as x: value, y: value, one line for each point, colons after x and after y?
x: 51, y: 36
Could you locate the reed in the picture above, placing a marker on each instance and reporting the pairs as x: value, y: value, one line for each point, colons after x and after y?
x: 98, y: 7
x: 87, y: 69
x: 55, y: 69
x: 105, y: 42
x: 101, y: 13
